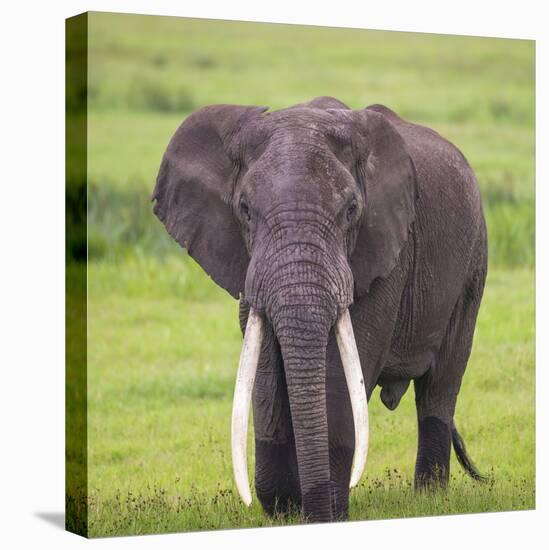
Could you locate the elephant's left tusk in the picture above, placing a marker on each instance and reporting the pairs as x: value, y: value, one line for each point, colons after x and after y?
x: 245, y: 377
x: 357, y: 392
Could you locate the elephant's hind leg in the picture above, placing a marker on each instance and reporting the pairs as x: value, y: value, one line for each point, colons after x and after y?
x: 437, y: 390
x: 433, y: 454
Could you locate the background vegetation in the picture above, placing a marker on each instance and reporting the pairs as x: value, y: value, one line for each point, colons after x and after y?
x: 164, y: 340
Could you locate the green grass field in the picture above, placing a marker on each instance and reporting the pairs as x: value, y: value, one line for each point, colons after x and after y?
x: 164, y: 341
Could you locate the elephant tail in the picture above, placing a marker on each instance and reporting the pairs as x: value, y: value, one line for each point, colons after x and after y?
x: 464, y: 459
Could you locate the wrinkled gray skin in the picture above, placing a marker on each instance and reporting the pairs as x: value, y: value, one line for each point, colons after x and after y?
x: 307, y: 211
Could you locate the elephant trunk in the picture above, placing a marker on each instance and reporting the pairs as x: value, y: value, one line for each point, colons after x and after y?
x: 303, y: 338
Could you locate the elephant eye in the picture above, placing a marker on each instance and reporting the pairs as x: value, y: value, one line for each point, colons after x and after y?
x: 245, y: 210
x: 351, y: 211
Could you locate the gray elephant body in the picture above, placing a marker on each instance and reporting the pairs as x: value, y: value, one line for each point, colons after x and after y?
x: 326, y: 209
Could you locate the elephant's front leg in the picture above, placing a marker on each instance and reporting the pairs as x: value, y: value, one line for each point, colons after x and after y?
x: 340, y: 431
x: 276, y: 475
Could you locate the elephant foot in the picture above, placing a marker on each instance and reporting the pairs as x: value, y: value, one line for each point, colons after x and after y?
x: 278, y: 490
x: 340, y: 501
x: 276, y: 482
x: 317, y: 505
x: 341, y: 460
x: 433, y: 457
x: 279, y: 503
x: 320, y: 510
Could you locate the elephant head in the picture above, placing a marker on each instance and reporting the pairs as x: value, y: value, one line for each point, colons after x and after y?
x: 297, y: 211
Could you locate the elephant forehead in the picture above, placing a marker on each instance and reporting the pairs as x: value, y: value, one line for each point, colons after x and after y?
x: 312, y: 176
x: 305, y: 125
x: 301, y: 116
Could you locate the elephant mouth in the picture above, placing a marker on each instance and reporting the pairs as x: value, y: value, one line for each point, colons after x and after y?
x: 249, y: 359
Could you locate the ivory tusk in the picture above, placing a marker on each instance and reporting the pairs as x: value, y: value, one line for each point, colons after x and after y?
x: 245, y: 377
x: 357, y: 392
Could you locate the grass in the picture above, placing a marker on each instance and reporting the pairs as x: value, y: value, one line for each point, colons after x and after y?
x: 141, y: 90
x: 164, y: 340
x: 157, y: 510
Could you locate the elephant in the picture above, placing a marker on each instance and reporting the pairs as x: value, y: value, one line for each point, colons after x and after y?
x: 356, y: 243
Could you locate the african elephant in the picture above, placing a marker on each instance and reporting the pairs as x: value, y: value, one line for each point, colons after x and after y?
x: 356, y: 243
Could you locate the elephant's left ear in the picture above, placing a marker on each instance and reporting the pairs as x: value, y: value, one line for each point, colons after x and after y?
x: 387, y: 174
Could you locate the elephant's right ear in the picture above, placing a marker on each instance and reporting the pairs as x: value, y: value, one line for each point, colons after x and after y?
x: 194, y: 190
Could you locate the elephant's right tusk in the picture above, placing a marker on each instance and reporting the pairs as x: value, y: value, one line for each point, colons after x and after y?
x: 357, y: 392
x: 245, y: 377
